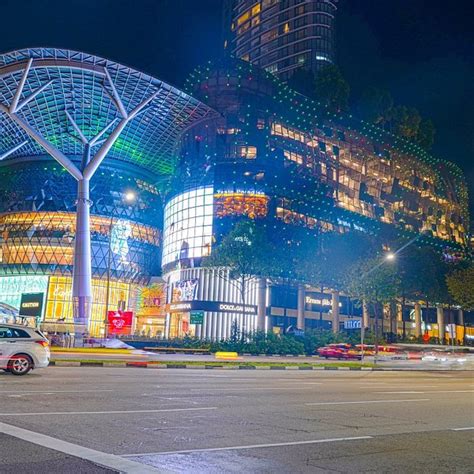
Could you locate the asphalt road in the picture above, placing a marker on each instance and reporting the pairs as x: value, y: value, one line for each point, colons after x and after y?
x: 216, y: 421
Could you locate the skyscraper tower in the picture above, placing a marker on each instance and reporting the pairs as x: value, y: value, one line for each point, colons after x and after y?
x: 281, y: 36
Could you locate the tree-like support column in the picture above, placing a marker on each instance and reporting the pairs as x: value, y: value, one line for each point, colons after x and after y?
x: 82, y: 274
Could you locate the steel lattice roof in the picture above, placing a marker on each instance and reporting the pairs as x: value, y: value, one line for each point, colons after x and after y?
x: 148, y: 141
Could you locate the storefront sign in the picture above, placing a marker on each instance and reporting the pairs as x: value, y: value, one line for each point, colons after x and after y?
x: 31, y: 304
x: 120, y: 322
x: 217, y: 306
x: 352, y: 324
x: 185, y: 290
x: 322, y: 302
x: 197, y: 317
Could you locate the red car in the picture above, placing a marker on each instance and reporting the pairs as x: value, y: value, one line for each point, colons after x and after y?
x: 339, y: 351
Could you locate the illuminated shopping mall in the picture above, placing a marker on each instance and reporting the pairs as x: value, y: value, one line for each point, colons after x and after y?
x: 164, y: 174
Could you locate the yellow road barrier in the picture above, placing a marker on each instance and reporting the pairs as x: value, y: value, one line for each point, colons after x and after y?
x: 227, y: 355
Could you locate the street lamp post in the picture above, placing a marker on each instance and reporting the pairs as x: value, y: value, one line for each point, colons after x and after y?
x: 129, y: 197
x: 388, y: 257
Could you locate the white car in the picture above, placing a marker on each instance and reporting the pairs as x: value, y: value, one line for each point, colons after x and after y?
x: 22, y: 349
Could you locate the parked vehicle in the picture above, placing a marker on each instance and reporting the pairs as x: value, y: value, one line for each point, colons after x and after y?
x: 22, y: 349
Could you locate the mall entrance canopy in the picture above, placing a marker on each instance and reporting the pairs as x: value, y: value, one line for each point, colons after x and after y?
x: 81, y: 108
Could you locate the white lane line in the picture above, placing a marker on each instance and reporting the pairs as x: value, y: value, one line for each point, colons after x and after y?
x: 463, y: 429
x: 110, y: 461
x: 247, y: 389
x: 369, y: 401
x: 403, y: 392
x: 54, y: 391
x: 251, y: 446
x: 434, y: 391
x: 115, y: 412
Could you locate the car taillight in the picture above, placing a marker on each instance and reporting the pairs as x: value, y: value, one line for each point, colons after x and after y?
x: 43, y: 343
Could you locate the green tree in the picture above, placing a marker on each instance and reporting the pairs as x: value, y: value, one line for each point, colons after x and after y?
x: 332, y: 89
x: 426, y: 134
x: 303, y: 81
x: 376, y: 282
x: 461, y: 287
x: 376, y: 106
x: 406, y: 122
x: 340, y: 252
x: 243, y: 254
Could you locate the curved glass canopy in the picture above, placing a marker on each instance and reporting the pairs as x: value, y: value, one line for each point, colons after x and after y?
x: 82, y: 86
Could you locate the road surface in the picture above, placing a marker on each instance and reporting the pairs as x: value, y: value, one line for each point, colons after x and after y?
x: 214, y: 421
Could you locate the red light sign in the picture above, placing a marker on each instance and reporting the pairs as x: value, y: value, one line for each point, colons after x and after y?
x: 120, y: 322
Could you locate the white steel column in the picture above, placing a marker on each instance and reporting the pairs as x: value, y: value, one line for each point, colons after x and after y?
x: 261, y: 304
x: 399, y: 320
x: 417, y: 320
x: 441, y: 325
x: 82, y: 275
x: 300, y: 308
x: 12, y: 150
x: 335, y: 311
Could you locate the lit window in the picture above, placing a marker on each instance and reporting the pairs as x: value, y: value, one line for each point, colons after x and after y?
x: 249, y: 152
x: 286, y: 28
x: 243, y: 18
x: 291, y: 155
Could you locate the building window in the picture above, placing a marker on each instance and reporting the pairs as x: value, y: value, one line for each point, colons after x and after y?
x: 249, y: 152
x: 252, y: 205
x: 188, y: 225
x: 291, y: 155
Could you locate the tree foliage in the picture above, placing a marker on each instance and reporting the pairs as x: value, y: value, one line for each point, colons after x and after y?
x: 303, y: 81
x: 376, y: 106
x: 461, y: 287
x: 245, y: 251
x: 332, y: 89
x: 373, y: 281
x: 340, y: 252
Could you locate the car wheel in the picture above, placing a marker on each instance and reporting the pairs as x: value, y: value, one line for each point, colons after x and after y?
x: 20, y: 364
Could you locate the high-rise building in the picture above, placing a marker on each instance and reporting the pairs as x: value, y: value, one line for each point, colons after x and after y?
x: 281, y: 36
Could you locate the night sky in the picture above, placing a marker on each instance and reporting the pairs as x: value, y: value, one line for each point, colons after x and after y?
x: 420, y: 50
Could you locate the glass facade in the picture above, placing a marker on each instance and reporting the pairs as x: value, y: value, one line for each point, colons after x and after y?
x: 38, y: 223
x: 57, y: 292
x: 316, y: 171
x: 11, y: 288
x: 188, y: 225
x: 281, y: 36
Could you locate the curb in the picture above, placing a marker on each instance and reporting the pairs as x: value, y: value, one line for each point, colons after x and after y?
x: 146, y: 365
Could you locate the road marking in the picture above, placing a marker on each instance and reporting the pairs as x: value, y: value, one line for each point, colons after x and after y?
x: 435, y: 391
x: 251, y: 446
x: 54, y: 391
x: 115, y: 412
x: 463, y: 429
x: 404, y: 392
x: 247, y: 389
x: 110, y: 461
x: 369, y: 401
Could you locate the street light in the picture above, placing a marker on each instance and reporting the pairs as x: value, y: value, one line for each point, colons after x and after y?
x: 390, y: 257
x: 129, y: 197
